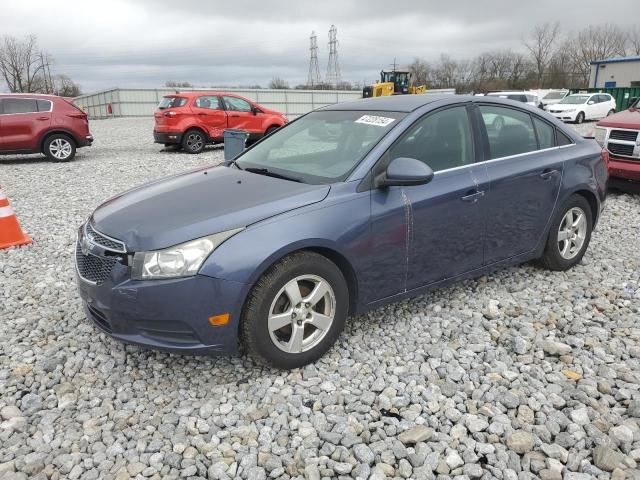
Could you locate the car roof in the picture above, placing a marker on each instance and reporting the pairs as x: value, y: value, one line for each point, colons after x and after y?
x: 193, y: 93
x: 394, y: 103
x: 44, y: 96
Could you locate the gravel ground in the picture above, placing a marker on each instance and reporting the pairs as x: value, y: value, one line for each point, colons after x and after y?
x: 521, y: 374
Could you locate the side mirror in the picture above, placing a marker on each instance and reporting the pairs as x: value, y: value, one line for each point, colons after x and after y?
x: 590, y: 102
x: 405, y: 171
x: 254, y: 110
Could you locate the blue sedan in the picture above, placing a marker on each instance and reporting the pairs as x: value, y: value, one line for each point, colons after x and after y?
x: 347, y: 208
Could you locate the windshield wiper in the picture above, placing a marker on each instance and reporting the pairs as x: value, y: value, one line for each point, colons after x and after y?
x: 269, y: 173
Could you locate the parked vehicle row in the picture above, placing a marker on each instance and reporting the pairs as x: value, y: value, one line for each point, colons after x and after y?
x: 47, y: 124
x: 261, y: 251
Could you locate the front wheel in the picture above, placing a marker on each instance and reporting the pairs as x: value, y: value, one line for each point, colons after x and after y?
x: 580, y: 118
x: 193, y: 141
x: 270, y: 130
x: 569, y: 235
x: 296, y: 311
x: 59, y: 148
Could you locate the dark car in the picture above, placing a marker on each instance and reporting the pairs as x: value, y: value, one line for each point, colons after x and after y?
x: 276, y: 249
x: 194, y: 119
x: 31, y: 123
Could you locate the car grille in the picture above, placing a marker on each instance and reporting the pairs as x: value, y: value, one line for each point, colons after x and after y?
x: 104, y: 241
x: 620, y: 149
x: 92, y: 268
x: 626, y: 135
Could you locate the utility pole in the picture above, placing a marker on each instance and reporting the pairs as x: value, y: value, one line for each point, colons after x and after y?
x: 333, y: 67
x: 314, y: 70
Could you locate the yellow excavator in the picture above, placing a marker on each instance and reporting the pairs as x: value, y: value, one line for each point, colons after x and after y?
x: 393, y: 82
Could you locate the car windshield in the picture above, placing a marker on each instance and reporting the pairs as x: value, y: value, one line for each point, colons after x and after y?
x: 172, y: 102
x: 575, y: 99
x: 554, y: 95
x: 321, y: 147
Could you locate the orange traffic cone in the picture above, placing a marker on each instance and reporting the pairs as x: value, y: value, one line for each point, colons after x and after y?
x: 11, y: 235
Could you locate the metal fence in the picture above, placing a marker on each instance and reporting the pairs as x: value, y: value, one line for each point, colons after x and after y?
x: 129, y: 102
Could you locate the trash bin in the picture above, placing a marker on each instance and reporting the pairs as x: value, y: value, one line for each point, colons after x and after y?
x: 234, y: 142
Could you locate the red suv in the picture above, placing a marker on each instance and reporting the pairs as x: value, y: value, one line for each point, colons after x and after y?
x: 31, y: 123
x: 620, y: 135
x: 194, y: 119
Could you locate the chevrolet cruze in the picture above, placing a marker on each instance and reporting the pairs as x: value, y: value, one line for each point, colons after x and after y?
x: 344, y: 209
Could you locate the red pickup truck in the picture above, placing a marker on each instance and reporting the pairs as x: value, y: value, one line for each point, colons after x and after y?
x: 620, y: 135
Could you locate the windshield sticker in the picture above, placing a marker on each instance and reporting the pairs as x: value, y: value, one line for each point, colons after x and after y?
x: 375, y: 120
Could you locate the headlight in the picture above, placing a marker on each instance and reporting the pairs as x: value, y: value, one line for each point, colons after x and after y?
x: 178, y: 261
x: 600, y: 134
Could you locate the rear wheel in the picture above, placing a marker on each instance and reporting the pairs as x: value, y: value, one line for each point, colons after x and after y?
x: 193, y: 141
x: 59, y: 148
x: 296, y: 311
x: 270, y: 130
x: 569, y: 234
x: 611, y: 112
x: 580, y: 118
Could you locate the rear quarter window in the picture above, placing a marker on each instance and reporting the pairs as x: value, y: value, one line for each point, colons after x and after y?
x: 172, y: 102
x: 44, y: 106
x: 563, y: 139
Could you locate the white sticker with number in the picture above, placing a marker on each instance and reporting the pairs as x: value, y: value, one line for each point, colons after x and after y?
x: 375, y: 120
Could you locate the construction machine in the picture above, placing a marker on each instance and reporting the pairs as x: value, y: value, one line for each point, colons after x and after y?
x: 393, y: 82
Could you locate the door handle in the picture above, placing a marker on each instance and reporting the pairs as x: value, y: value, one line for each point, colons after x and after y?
x: 235, y: 116
x: 43, y: 118
x: 473, y: 196
x: 203, y: 114
x: 547, y: 174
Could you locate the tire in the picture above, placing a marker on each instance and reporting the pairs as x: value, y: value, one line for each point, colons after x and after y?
x: 611, y: 112
x: 193, y: 141
x: 560, y: 254
x: 59, y: 147
x: 270, y: 130
x: 272, y: 302
x: 580, y: 118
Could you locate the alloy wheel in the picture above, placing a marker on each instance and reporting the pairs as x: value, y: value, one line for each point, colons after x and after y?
x: 60, y: 148
x: 301, y: 314
x: 572, y: 233
x: 194, y: 141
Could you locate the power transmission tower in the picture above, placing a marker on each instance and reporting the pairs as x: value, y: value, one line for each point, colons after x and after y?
x: 314, y: 70
x: 333, y: 68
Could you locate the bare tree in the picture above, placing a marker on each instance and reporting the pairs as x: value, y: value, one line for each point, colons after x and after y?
x: 174, y: 84
x: 633, y: 41
x: 594, y: 43
x: 420, y: 71
x: 21, y: 64
x: 65, y: 87
x: 278, y: 83
x: 541, y: 44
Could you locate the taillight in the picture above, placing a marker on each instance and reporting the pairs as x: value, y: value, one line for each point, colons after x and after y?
x: 77, y: 115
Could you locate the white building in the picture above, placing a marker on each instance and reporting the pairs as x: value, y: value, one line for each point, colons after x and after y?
x: 615, y: 72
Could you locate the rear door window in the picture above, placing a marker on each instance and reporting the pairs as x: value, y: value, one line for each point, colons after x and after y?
x: 19, y: 105
x: 210, y: 101
x: 510, y: 131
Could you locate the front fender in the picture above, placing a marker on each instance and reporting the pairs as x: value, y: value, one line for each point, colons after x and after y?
x: 246, y: 256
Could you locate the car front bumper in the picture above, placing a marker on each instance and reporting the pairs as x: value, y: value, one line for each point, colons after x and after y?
x: 171, y: 315
x: 624, y: 169
x: 565, y: 116
x: 167, y: 137
x: 86, y: 141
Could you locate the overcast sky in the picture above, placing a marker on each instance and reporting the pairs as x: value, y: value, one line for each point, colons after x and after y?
x: 140, y: 43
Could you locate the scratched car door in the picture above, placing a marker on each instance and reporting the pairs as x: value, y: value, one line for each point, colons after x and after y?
x: 443, y: 218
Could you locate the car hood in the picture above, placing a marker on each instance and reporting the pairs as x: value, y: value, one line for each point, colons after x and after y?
x: 198, y: 203
x: 625, y: 119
